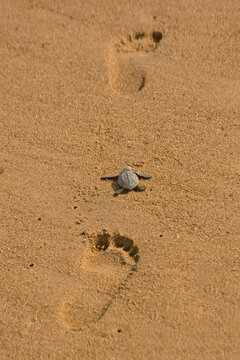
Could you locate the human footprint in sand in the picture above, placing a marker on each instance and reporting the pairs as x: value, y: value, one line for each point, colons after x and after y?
x: 127, y: 63
x: 107, y: 264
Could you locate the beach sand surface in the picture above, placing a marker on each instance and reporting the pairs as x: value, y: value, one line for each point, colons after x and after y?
x: 87, y: 88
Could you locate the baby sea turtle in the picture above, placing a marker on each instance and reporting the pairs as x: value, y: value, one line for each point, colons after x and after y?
x: 128, y: 179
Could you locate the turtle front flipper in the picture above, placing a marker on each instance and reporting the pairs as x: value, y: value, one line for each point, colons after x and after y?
x: 109, y: 177
x: 145, y: 176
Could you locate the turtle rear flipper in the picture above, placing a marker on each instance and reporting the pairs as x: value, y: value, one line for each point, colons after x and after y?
x: 145, y: 176
x: 119, y: 191
x: 140, y: 188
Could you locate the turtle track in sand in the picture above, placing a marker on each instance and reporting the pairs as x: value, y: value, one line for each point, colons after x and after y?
x: 107, y: 264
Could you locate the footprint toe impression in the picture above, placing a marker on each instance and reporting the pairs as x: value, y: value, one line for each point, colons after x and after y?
x: 107, y: 264
x: 126, y: 70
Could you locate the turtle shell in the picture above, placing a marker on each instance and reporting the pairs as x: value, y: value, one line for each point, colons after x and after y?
x: 128, y: 180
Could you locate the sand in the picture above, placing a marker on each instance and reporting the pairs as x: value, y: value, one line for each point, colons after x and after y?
x: 88, y: 87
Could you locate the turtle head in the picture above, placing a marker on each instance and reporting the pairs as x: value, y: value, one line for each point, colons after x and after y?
x: 127, y: 168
